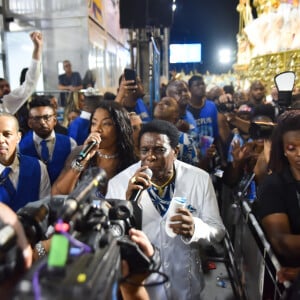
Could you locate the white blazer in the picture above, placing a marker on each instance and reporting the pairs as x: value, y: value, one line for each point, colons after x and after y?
x: 180, y: 258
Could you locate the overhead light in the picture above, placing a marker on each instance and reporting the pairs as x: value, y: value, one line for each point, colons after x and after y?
x: 224, y: 56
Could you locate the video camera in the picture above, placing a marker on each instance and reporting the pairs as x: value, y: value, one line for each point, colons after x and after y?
x: 90, y: 240
x: 261, y: 130
x: 226, y: 107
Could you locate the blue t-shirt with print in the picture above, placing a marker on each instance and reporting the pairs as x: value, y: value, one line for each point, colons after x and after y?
x: 206, y: 122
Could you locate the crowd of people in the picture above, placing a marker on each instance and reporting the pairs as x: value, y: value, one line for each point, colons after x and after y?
x: 197, y: 142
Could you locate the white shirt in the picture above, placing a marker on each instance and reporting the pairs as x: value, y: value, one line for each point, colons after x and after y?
x: 16, y: 98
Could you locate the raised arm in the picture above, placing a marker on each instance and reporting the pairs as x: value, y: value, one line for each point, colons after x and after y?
x: 37, y: 40
x: 16, y: 98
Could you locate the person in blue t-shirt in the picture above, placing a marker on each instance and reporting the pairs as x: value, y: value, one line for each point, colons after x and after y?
x: 204, y: 110
x: 167, y: 109
x: 179, y: 90
x: 206, y: 132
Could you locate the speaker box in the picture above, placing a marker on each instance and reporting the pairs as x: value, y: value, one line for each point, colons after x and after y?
x: 143, y: 13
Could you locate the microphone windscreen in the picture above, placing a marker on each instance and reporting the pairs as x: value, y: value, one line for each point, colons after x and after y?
x: 149, y: 172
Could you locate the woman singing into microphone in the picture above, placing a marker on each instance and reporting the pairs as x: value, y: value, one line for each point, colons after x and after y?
x: 113, y: 151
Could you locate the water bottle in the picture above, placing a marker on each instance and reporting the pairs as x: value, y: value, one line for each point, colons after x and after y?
x: 176, y: 202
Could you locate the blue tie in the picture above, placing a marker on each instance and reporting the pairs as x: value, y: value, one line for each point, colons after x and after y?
x: 7, y: 190
x: 4, y: 174
x: 45, y: 151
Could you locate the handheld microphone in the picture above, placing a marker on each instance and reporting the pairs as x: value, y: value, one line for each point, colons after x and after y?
x: 136, y: 194
x: 85, y: 151
x: 80, y: 194
x: 136, y: 219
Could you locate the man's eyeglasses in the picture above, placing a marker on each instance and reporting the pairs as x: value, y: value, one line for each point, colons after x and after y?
x: 45, y: 118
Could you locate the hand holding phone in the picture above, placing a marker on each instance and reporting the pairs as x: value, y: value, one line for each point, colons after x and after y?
x: 130, y: 74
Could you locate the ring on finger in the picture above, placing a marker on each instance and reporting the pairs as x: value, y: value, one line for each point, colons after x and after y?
x: 133, y: 180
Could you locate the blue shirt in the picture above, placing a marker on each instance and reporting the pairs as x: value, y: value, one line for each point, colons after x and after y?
x: 142, y: 110
x: 206, y: 123
x: 79, y: 130
x: 187, y: 149
x: 73, y: 80
x: 236, y: 138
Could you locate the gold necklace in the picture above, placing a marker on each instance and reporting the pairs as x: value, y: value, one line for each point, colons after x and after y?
x: 107, y: 156
x: 161, y: 188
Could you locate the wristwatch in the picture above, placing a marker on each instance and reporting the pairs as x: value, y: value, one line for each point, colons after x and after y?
x: 77, y: 166
x: 40, y: 249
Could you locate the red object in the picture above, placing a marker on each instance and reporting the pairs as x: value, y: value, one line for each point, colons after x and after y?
x: 62, y: 227
x: 211, y: 265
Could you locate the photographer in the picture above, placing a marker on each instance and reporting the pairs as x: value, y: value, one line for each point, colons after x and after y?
x: 245, y: 152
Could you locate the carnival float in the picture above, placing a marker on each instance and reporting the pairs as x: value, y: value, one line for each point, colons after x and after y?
x: 269, y: 42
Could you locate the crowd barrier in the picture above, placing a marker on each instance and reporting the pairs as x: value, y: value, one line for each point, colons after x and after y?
x: 252, y: 261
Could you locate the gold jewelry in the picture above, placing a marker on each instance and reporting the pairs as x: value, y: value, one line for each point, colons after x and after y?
x: 161, y: 188
x: 133, y: 180
x: 107, y: 156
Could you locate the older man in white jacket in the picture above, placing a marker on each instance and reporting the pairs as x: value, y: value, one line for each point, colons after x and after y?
x: 198, y: 221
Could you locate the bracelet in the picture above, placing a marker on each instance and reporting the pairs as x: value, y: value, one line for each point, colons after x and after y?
x: 40, y: 249
x: 77, y: 166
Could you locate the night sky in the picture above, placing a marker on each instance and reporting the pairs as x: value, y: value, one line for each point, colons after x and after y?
x: 213, y: 23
